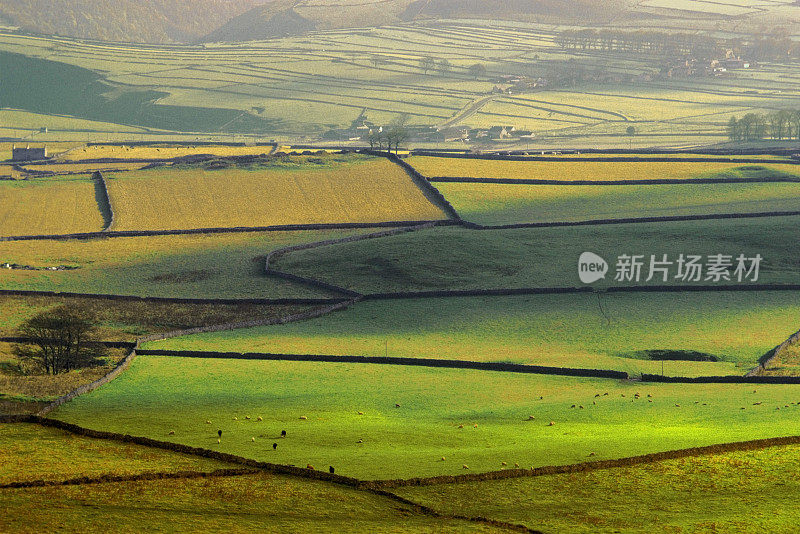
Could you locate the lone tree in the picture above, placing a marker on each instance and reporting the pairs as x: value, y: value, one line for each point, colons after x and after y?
x: 477, y: 70
x: 59, y: 340
x: 397, y: 133
x: 427, y: 63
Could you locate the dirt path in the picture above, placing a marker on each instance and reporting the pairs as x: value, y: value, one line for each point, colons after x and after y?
x: 471, y: 109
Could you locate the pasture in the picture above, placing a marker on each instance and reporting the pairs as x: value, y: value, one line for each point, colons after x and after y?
x: 497, y: 204
x: 595, y: 331
x: 472, y: 418
x: 49, y: 206
x: 731, y: 492
x: 211, y: 266
x: 160, y: 151
x: 458, y: 258
x: 329, y: 189
x: 237, y: 504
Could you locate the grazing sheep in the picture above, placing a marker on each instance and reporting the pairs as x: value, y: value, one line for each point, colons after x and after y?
x: 283, y: 433
x: 460, y: 426
x: 260, y: 418
x: 516, y: 466
x: 253, y: 439
x: 581, y: 407
x: 360, y: 441
x: 594, y: 403
x: 677, y: 405
x: 219, y: 440
x: 208, y: 422
x: 503, y: 464
x: 443, y: 459
x: 475, y: 425
x: 541, y: 398
x: 531, y: 418
x: 360, y: 413
x: 573, y: 406
x: 309, y: 466
x: 605, y: 394
x: 551, y: 423
x: 591, y: 454
x: 274, y: 446
x: 219, y: 433
x: 465, y: 466
x: 597, y: 395
x: 756, y: 404
x: 303, y: 417
x: 396, y: 405
x: 247, y: 417
x: 235, y: 418
x: 171, y: 432
x: 622, y: 394
x: 331, y: 470
x: 649, y: 396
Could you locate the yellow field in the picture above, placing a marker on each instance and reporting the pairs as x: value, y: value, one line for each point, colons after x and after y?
x: 354, y: 191
x: 8, y: 170
x: 48, y: 206
x: 52, y: 148
x: 579, y: 170
x: 84, y: 167
x: 161, y: 152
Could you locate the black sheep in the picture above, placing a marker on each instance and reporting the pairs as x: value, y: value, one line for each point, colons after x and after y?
x: 274, y: 446
x: 283, y: 433
x: 330, y: 469
x: 219, y: 433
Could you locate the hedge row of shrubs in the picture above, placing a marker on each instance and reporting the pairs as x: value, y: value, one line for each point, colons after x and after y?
x: 104, y: 200
x: 649, y: 181
x: 131, y: 478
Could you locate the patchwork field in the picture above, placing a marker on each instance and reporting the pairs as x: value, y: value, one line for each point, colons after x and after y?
x: 497, y: 204
x: 332, y: 189
x: 212, y: 266
x: 733, y: 492
x: 601, y: 171
x: 457, y: 258
x: 158, y: 395
x: 231, y: 504
x: 48, y: 206
x: 165, y: 151
x: 33, y: 452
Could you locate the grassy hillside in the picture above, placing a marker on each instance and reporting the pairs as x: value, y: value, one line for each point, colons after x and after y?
x: 328, y: 189
x: 693, y: 494
x: 456, y: 258
x: 158, y: 395
x: 236, y: 505
x: 588, y: 331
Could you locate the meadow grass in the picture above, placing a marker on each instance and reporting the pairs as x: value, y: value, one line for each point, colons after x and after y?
x: 241, y: 504
x: 581, y: 170
x: 48, y: 206
x: 358, y: 191
x: 458, y: 258
x: 87, y: 168
x: 495, y: 204
x: 751, y: 491
x: 473, y: 418
x: 212, y: 266
x: 33, y: 452
x: 582, y: 330
x: 161, y: 151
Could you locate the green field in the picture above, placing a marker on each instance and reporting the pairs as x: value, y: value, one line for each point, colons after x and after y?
x: 735, y: 492
x: 162, y: 394
x: 213, y: 266
x: 584, y: 330
x: 33, y: 452
x: 496, y: 204
x: 457, y: 258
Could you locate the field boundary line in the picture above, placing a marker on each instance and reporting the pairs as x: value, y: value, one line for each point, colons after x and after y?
x: 171, y: 300
x: 146, y: 476
x: 104, y: 201
x: 223, y: 230
x: 401, y: 361
x: 647, y: 181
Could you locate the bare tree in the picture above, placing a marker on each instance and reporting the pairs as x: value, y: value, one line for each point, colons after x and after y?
x: 427, y: 63
x: 60, y: 340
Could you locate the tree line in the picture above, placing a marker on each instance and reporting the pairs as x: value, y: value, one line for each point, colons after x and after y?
x: 780, y: 125
x: 678, y: 44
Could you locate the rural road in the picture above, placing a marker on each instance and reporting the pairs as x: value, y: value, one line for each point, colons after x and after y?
x: 471, y: 109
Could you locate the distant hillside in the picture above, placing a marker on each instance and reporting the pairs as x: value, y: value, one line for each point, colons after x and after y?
x: 575, y: 10
x: 153, y: 21
x: 277, y: 19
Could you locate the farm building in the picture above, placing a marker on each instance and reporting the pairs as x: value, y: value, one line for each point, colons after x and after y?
x: 28, y: 153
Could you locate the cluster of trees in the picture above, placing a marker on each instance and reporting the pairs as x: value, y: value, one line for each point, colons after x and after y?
x: 678, y: 44
x: 782, y: 124
x: 392, y: 136
x: 58, y: 341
